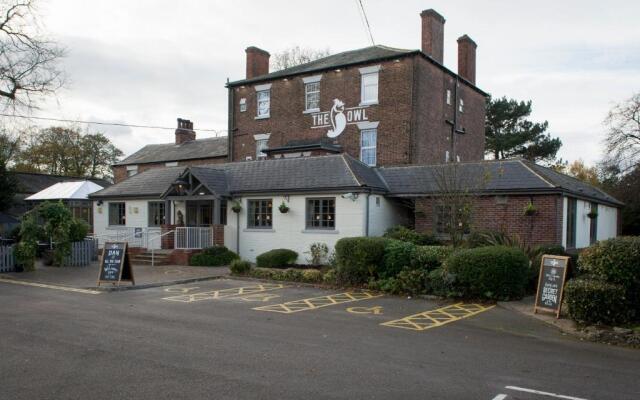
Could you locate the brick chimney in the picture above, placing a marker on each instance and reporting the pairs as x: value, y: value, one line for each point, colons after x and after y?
x: 467, y: 58
x: 433, y: 34
x: 257, y: 62
x: 184, y: 131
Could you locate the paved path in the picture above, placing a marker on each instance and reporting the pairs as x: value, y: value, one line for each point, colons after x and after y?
x: 241, y: 339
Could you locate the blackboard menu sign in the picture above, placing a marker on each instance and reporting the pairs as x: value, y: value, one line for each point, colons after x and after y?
x: 115, y: 265
x: 553, y: 273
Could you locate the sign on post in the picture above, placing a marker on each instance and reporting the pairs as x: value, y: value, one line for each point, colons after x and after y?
x: 115, y: 266
x: 553, y: 273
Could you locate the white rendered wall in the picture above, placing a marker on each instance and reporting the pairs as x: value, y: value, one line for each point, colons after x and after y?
x: 607, y: 222
x: 384, y: 214
x: 583, y: 224
x: 565, y: 207
x: 137, y: 216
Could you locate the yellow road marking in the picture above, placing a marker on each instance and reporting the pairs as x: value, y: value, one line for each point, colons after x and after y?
x: 377, y: 310
x: 434, y: 318
x: 317, y: 302
x: 180, y: 290
x: 42, y: 285
x: 260, y: 297
x: 223, y: 293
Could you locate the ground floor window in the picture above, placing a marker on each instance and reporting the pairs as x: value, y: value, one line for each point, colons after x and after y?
x: 117, y: 214
x: 321, y: 213
x: 260, y: 214
x: 156, y: 213
x: 368, y: 146
x: 572, y: 206
x: 442, y: 219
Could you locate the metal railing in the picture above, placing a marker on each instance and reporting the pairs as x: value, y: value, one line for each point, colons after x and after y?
x: 153, y: 248
x: 135, y: 237
x: 190, y: 237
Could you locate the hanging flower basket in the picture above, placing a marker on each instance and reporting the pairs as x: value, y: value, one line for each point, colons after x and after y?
x: 236, y: 207
x: 283, y: 207
x: 530, y: 210
x: 592, y: 214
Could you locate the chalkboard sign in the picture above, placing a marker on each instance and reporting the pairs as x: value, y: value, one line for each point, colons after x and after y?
x: 115, y: 266
x: 553, y: 273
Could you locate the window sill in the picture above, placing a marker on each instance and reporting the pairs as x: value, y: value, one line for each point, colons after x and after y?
x: 263, y: 116
x: 368, y: 103
x: 311, y: 111
x: 321, y: 231
x: 258, y: 230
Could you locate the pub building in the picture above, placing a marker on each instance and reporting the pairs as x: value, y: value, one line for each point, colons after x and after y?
x: 351, y: 144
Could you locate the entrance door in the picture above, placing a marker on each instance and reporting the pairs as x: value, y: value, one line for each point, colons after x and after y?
x: 199, y: 213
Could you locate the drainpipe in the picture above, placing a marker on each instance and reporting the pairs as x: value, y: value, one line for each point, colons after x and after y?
x: 238, y: 233
x: 455, y: 120
x: 366, y: 216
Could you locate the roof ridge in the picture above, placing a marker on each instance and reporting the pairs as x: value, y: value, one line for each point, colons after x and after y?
x: 510, y: 160
x: 524, y: 164
x: 350, y: 169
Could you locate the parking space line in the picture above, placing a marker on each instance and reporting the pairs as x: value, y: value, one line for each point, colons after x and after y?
x: 55, y: 287
x: 224, y: 293
x: 438, y: 317
x: 317, y: 302
x: 548, y: 394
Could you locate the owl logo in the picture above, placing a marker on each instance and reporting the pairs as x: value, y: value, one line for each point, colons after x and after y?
x: 338, y: 119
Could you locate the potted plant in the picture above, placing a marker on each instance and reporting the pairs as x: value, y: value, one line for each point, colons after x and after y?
x: 592, y: 214
x: 283, y: 207
x: 236, y: 207
x: 530, y: 209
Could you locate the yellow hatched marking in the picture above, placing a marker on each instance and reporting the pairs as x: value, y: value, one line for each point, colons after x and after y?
x: 317, y: 302
x: 224, y: 293
x: 42, y: 285
x: 438, y: 317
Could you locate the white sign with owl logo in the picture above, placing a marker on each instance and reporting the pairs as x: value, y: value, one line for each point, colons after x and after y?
x: 338, y: 118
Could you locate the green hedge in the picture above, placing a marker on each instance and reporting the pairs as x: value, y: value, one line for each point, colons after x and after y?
x: 614, y: 260
x: 493, y: 272
x: 240, y: 267
x: 397, y: 255
x: 359, y: 258
x: 431, y: 257
x: 276, y: 258
x: 213, y: 257
x: 405, y: 234
x: 289, y: 274
x: 591, y: 301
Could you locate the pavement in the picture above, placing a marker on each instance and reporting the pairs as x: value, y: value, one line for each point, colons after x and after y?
x: 145, y: 276
x: 243, y: 339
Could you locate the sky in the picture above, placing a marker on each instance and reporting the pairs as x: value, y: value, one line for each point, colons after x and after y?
x: 150, y: 62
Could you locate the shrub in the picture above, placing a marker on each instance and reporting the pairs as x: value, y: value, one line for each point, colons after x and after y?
x: 359, y: 258
x: 312, y: 276
x: 276, y: 258
x: 494, y: 272
x: 405, y: 234
x: 213, y: 257
x: 330, y: 277
x: 591, y: 301
x: 318, y: 253
x: 440, y: 283
x: 78, y: 230
x: 240, y: 267
x: 397, y: 255
x: 431, y: 257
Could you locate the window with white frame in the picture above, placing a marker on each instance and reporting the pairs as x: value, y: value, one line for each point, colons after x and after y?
x: 448, y: 97
x: 132, y: 170
x: 261, y: 146
x: 368, y: 146
x: 264, y: 103
x: 461, y: 106
x: 312, y: 96
x: 243, y: 104
x: 369, y: 84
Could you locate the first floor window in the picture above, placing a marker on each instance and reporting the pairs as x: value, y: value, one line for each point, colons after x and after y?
x: 448, y: 97
x: 156, y: 213
x: 117, y: 215
x: 243, y: 104
x: 461, y: 106
x: 368, y: 146
x: 321, y: 213
x: 572, y: 206
x: 369, y: 89
x: 312, y: 96
x: 261, y: 145
x: 264, y: 103
x: 260, y: 214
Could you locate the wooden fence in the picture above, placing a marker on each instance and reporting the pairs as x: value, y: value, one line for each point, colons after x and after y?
x: 82, y: 253
x: 7, y: 259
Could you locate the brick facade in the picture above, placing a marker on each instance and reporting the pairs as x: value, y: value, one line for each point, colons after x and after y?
x: 412, y: 113
x: 505, y: 213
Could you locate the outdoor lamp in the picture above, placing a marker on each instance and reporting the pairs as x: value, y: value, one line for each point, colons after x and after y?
x: 179, y: 185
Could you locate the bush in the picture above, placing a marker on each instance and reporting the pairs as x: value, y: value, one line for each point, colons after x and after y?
x: 359, y: 258
x: 590, y: 301
x: 397, y: 255
x: 440, y: 283
x: 240, y: 267
x: 614, y: 260
x: 431, y: 257
x: 213, y: 257
x: 330, y: 277
x: 405, y: 234
x: 276, y: 258
x: 319, y: 253
x: 78, y: 230
x: 494, y: 272
x: 312, y: 276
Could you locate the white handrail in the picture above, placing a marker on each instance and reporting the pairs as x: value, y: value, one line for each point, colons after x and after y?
x: 152, y: 249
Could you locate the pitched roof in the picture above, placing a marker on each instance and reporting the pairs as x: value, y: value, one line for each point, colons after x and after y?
x: 149, y: 183
x: 79, y: 190
x: 33, y: 182
x: 348, y: 58
x: 166, y: 152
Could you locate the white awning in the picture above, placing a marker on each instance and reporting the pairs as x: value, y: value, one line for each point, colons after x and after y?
x: 79, y: 190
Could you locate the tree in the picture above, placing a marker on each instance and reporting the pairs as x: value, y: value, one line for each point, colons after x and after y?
x: 579, y: 170
x: 626, y: 188
x: 66, y: 151
x: 9, y: 147
x: 28, y: 61
x: 623, y: 136
x: 510, y: 134
x: 295, y: 56
x: 8, y: 188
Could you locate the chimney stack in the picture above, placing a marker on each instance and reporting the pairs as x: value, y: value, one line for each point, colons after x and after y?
x: 184, y: 131
x: 257, y: 62
x: 467, y: 58
x: 433, y: 34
